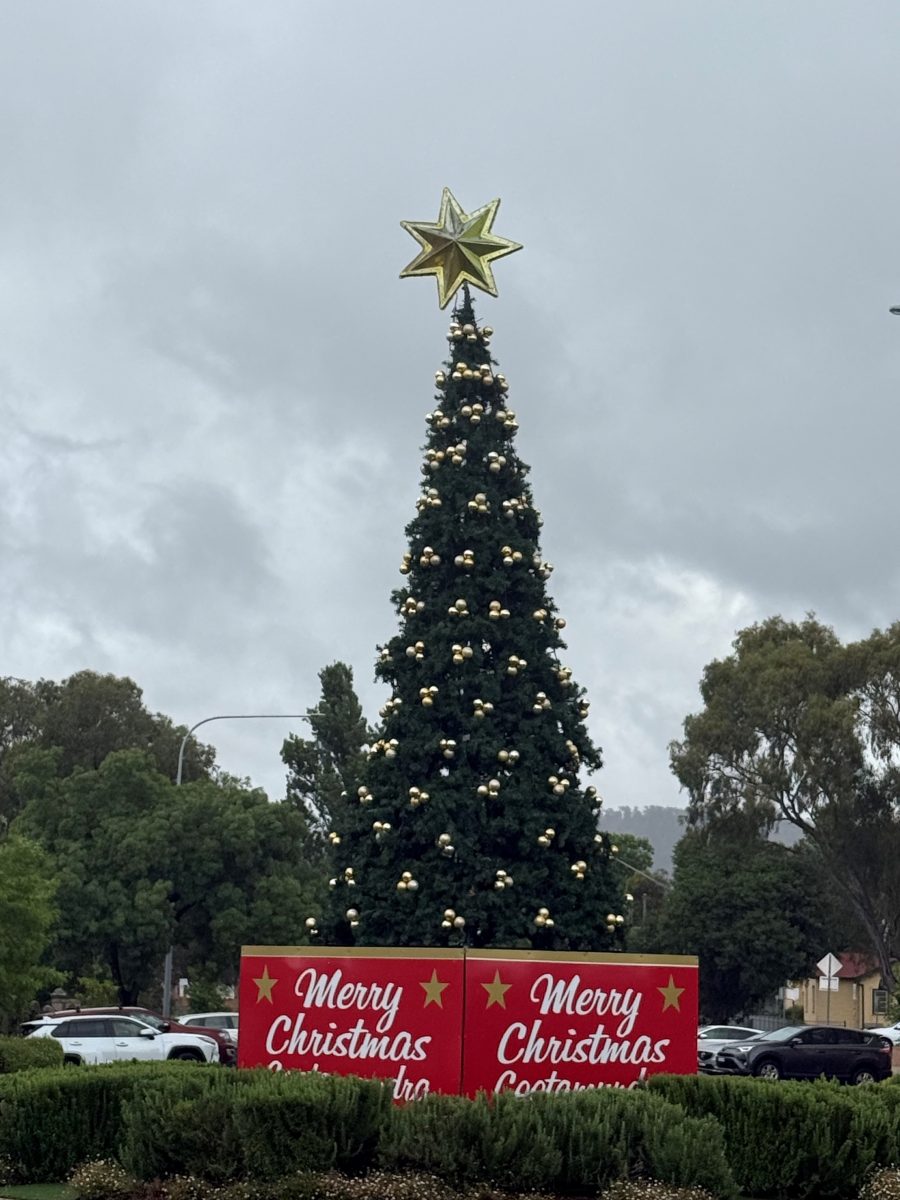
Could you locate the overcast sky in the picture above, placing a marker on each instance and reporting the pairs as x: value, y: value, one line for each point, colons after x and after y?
x: 213, y: 383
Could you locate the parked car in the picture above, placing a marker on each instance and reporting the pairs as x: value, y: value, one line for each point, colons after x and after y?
x: 226, y: 1022
x: 711, y: 1039
x: 891, y: 1032
x: 725, y: 1033
x: 121, y: 1039
x: 808, y: 1051
x: 227, y: 1051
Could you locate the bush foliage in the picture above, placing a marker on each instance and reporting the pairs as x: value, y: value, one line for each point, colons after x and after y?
x: 575, y: 1142
x: 192, y: 1132
x: 21, y: 1054
x: 794, y: 1139
x: 176, y: 1120
x: 882, y: 1185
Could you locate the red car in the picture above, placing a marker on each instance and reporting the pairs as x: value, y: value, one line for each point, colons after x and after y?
x: 227, y: 1049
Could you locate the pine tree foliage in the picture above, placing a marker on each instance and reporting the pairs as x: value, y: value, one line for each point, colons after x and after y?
x: 322, y: 768
x: 470, y: 825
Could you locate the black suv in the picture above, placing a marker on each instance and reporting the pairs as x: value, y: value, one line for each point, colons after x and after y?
x: 808, y: 1051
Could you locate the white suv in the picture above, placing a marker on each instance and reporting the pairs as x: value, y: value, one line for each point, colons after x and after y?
x: 121, y: 1039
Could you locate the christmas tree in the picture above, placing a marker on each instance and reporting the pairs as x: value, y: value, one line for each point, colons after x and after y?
x: 470, y: 825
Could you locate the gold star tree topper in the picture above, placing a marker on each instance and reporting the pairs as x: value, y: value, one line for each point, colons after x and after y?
x: 458, y: 248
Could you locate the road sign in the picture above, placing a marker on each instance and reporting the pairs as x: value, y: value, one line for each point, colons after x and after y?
x: 829, y: 965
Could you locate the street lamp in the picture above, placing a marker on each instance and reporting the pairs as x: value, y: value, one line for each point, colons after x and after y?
x: 167, y: 969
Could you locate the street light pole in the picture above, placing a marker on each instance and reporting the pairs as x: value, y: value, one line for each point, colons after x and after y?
x: 167, y: 969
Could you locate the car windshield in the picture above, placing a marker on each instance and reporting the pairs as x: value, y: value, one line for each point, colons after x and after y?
x: 149, y: 1019
x: 779, y: 1035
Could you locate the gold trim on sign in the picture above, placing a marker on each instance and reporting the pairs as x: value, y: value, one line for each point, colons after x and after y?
x: 622, y: 960
x: 549, y: 956
x: 348, y: 951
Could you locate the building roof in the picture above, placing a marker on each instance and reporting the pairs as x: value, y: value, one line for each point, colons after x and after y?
x: 855, y: 966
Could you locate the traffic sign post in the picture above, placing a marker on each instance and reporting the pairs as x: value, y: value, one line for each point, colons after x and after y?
x: 829, y: 966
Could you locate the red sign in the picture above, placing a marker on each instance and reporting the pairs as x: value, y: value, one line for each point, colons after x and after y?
x: 383, y: 1013
x: 561, y: 1022
x: 454, y: 1021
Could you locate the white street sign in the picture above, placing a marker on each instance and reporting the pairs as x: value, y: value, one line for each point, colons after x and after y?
x: 828, y: 983
x: 829, y: 965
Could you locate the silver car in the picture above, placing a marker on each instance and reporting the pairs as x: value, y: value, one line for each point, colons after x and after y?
x: 226, y: 1022
x: 711, y: 1039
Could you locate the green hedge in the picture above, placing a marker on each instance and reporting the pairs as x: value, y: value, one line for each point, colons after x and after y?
x: 789, y: 1141
x: 574, y: 1142
x: 794, y: 1140
x: 50, y: 1121
x: 166, y: 1120
x: 21, y: 1054
x: 224, y: 1125
x: 182, y: 1119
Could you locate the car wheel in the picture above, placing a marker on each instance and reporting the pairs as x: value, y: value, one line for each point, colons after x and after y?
x: 71, y: 1060
x: 864, y: 1075
x: 767, y: 1069
x: 186, y: 1056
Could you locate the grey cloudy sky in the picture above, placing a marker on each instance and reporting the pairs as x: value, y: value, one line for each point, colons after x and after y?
x: 213, y: 384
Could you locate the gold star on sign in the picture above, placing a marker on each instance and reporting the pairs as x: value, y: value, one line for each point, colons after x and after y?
x: 671, y: 995
x: 433, y: 989
x: 496, y: 991
x: 458, y: 248
x: 264, y: 986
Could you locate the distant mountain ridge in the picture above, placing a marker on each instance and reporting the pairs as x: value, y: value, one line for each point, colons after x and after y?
x: 660, y: 824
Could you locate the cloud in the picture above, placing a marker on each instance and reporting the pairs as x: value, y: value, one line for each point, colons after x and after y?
x: 212, y: 383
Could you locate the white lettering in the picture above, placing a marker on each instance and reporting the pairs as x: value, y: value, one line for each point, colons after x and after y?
x: 326, y: 990
x: 405, y: 1089
x: 556, y: 1083
x: 558, y: 995
x: 292, y: 1036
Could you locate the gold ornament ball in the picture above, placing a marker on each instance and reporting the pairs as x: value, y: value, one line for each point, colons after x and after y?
x: 459, y: 922
x: 310, y: 922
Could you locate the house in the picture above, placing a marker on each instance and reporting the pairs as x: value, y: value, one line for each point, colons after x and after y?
x: 855, y: 997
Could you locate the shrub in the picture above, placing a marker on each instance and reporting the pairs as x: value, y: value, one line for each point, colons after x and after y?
x: 652, y: 1189
x: 227, y: 1125
x: 882, y: 1185
x: 295, y: 1122
x: 101, y: 1180
x: 573, y: 1142
x: 20, y: 1054
x: 819, y: 1139
x: 178, y: 1126
x: 51, y: 1121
